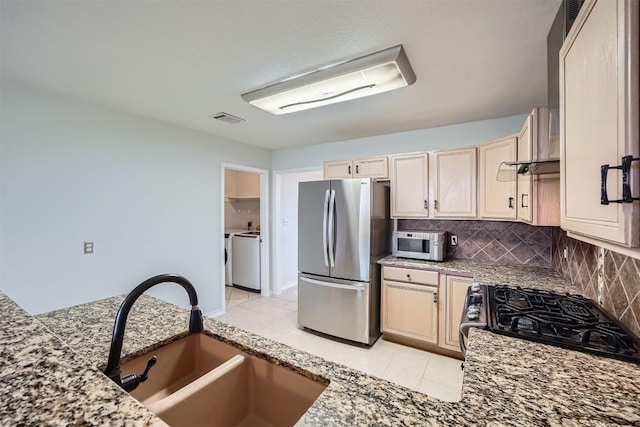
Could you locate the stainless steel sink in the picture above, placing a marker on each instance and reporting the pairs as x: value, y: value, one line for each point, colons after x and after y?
x: 199, y: 380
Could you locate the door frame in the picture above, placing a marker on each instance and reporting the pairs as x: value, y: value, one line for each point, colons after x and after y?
x: 265, y: 224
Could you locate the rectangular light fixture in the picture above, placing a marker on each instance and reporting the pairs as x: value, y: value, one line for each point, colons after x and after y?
x: 368, y: 75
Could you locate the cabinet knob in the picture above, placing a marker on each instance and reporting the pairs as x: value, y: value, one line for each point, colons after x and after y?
x: 426, y: 204
x: 435, y: 297
x: 435, y: 205
x: 357, y: 169
x: 408, y: 277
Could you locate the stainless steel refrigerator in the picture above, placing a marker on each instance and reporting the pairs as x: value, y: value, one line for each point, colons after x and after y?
x: 343, y: 230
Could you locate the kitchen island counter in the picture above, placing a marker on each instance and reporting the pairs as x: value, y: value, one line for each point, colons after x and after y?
x: 507, y: 381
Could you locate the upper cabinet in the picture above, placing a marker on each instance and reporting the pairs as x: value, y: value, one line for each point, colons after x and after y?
x: 373, y: 167
x: 440, y: 184
x: 453, y: 183
x: 538, y: 200
x: 497, y: 198
x: 599, y: 123
x: 241, y: 185
x: 410, y: 186
x: 338, y: 169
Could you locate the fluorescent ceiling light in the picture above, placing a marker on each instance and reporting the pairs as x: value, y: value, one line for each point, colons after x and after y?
x: 368, y: 75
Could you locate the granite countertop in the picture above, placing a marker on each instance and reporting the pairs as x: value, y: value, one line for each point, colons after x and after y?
x: 491, y: 274
x: 507, y: 381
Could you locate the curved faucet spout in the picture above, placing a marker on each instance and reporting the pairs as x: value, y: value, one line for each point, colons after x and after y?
x: 195, y: 322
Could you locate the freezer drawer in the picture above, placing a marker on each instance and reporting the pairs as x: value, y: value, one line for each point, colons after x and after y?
x: 335, y: 307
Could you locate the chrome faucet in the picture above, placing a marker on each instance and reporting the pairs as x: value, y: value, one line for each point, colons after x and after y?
x: 113, y: 371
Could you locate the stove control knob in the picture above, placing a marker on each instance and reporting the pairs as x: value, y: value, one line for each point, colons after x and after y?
x: 475, y: 287
x: 473, y: 315
x: 475, y: 299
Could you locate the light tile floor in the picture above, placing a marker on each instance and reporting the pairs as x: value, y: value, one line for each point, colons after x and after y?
x: 275, y: 317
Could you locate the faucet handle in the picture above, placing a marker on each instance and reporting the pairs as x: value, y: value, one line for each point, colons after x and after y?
x: 132, y: 381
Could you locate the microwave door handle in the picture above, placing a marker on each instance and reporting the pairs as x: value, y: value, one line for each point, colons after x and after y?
x: 325, y: 248
x: 332, y: 222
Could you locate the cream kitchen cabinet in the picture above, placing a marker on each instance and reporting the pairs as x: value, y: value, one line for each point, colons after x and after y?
x: 538, y: 200
x: 497, y: 198
x: 454, y: 183
x: 410, y: 186
x: 338, y: 169
x: 453, y: 290
x: 599, y: 122
x: 410, y: 304
x: 373, y: 167
x: 241, y: 185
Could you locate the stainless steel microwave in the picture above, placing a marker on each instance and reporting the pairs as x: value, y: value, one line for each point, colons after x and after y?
x: 431, y: 246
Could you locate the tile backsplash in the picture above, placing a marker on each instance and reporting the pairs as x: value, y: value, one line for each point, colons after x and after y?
x: 603, y: 275
x: 492, y: 241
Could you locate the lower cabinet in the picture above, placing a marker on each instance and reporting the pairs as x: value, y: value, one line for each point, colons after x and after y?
x: 410, y: 310
x: 453, y: 290
x: 423, y: 306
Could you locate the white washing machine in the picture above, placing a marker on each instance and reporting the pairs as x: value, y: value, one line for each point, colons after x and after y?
x: 227, y: 260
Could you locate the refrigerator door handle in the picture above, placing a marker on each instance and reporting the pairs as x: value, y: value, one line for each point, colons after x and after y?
x: 334, y: 285
x: 325, y: 248
x: 332, y: 237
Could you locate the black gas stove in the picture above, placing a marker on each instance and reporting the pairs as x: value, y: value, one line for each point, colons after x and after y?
x: 569, y: 321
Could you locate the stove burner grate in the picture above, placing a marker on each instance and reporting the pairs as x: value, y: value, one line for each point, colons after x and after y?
x: 570, y: 321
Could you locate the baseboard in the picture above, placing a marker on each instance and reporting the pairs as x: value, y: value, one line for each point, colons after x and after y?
x: 216, y: 313
x: 287, y: 286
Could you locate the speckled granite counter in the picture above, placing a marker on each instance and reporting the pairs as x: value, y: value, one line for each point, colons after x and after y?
x: 507, y: 381
x: 44, y: 382
x: 525, y: 276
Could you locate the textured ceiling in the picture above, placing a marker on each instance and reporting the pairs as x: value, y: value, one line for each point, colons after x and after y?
x: 182, y: 61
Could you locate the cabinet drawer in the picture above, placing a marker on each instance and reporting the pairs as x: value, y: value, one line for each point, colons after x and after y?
x: 409, y: 275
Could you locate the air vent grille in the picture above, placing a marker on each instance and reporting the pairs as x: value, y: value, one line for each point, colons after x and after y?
x: 227, y: 118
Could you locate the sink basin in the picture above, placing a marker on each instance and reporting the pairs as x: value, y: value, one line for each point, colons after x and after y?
x: 199, y: 380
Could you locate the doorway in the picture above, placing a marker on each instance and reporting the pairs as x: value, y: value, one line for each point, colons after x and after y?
x: 285, y: 232
x: 245, y: 220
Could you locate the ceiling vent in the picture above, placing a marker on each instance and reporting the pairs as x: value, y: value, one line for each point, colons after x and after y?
x: 227, y: 118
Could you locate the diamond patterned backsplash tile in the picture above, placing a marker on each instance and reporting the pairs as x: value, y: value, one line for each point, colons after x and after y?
x: 492, y: 241
x: 620, y: 291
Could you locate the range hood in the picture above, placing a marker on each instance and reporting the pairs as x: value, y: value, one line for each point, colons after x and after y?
x: 509, y: 171
x: 547, y: 151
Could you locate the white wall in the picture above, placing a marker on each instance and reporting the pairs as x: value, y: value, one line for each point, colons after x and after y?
x: 403, y: 142
x: 146, y: 192
x: 286, y: 225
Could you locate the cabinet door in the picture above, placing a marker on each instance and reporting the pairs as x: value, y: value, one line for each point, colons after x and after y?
x: 230, y: 183
x: 377, y: 167
x: 409, y: 186
x: 497, y: 198
x: 340, y: 169
x: 525, y: 182
x: 454, y: 183
x: 453, y: 290
x: 248, y: 184
x: 599, y: 120
x: 410, y: 310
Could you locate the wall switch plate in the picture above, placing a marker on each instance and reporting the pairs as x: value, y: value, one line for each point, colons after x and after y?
x: 88, y: 247
x: 454, y: 240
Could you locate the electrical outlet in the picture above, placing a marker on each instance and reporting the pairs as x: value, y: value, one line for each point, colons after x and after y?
x: 88, y: 247
x: 454, y: 240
